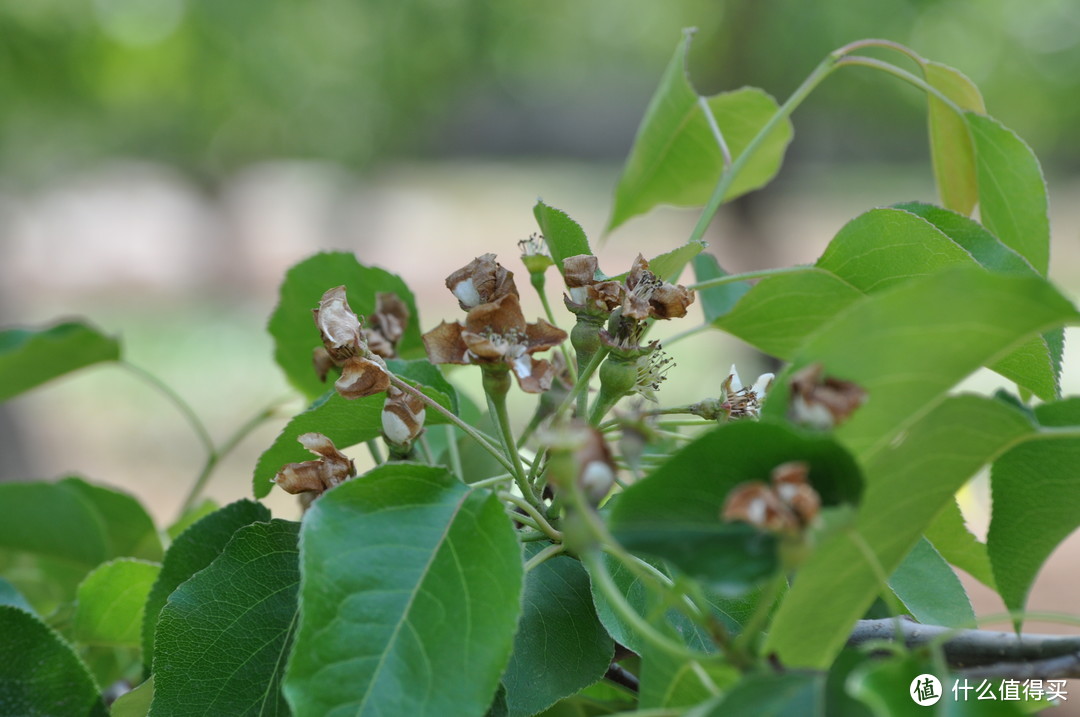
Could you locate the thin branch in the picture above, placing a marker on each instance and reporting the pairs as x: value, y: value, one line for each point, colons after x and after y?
x: 621, y: 676
x: 982, y: 653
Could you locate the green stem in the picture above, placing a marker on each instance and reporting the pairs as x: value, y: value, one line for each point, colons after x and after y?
x: 375, y: 451
x: 453, y: 452
x: 183, y: 406
x: 494, y: 388
x: 531, y: 511
x: 425, y: 448
x: 544, y: 555
x: 728, y: 176
x: 903, y: 75
x: 580, y: 391
x: 494, y: 480
x: 603, y: 580
x: 225, y: 449
x: 469, y: 430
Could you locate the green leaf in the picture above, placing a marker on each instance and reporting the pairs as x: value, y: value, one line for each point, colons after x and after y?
x: 983, y: 246
x: 416, y: 617
x: 674, y: 513
x: 111, y: 601
x: 930, y: 590
x: 908, y: 345
x: 135, y: 703
x: 345, y: 422
x: 908, y: 482
x: 791, y: 694
x: 1036, y: 365
x: 223, y: 637
x: 560, y: 646
x: 429, y: 377
x: 676, y: 158
x: 1035, y: 493
x: 192, y: 551
x: 1012, y: 192
x: 52, y: 520
x: 564, y: 236
x: 779, y: 312
x: 294, y: 331
x: 667, y: 681
x: 10, y: 595
x: 191, y: 516
x: 718, y: 300
x: 952, y: 539
x: 670, y: 264
x: 39, y: 673
x: 730, y: 612
x: 951, y: 148
x: 129, y: 528
x: 30, y: 357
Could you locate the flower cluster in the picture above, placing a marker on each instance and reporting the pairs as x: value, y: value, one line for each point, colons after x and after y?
x: 495, y: 333
x: 788, y: 505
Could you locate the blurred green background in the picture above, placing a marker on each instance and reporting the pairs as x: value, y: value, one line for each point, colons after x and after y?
x: 163, y: 162
x: 211, y: 86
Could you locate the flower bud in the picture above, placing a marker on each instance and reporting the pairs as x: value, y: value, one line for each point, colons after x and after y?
x: 402, y: 417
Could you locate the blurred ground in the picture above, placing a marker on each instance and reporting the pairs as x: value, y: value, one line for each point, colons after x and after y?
x: 189, y: 278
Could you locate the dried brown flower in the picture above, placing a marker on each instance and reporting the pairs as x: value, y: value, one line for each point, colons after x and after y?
x: 788, y: 505
x: 402, y: 416
x: 647, y: 295
x: 331, y: 468
x: 388, y: 325
x: 362, y: 372
x: 482, y: 281
x: 496, y: 333
x: 822, y: 402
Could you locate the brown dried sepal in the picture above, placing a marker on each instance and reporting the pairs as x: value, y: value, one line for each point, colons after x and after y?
x: 402, y: 416
x: 316, y: 476
x: 788, y: 505
x: 322, y: 361
x: 388, y: 325
x: 822, y: 402
x: 482, y: 281
x: 338, y: 325
x: 362, y: 377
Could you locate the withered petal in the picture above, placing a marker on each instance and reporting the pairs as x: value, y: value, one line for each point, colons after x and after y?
x: 361, y: 377
x: 379, y: 344
x: 403, y: 416
x: 391, y: 316
x: 638, y: 272
x: 580, y: 270
x: 535, y: 376
x: 487, y: 347
x: 670, y: 301
x: 323, y: 362
x: 301, y: 477
x: 542, y: 336
x: 445, y: 345
x: 338, y: 324
x: 482, y: 281
x: 502, y: 316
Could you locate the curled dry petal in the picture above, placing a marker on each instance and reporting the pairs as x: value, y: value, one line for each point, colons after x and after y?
x: 482, y: 281
x: 323, y: 362
x: 790, y: 481
x: 756, y: 503
x: 332, y: 468
x: 402, y: 416
x: 822, y: 402
x: 445, y: 345
x: 362, y: 377
x: 388, y: 324
x: 670, y: 301
x: 339, y: 326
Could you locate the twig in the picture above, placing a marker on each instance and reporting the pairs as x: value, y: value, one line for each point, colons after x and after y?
x: 621, y: 676
x: 982, y: 653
